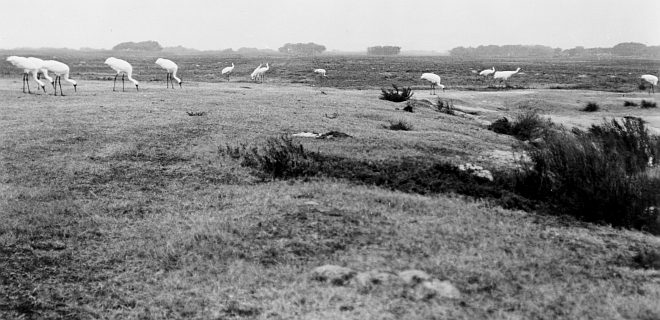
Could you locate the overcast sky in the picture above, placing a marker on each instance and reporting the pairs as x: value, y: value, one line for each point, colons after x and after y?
x: 338, y: 24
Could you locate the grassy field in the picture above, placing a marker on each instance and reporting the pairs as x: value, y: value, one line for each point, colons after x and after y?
x: 121, y: 205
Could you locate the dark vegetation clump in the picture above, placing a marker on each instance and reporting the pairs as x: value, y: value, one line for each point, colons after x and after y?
x: 279, y: 158
x: 408, y: 107
x: 399, y: 125
x: 527, y: 126
x: 641, y: 86
x: 196, y: 113
x: 591, y: 107
x: 599, y: 175
x: 648, y: 104
x: 629, y: 104
x: 447, y: 107
x: 396, y: 94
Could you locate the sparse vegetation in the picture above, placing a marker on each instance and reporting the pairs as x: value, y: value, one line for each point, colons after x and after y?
x: 527, y: 126
x: 399, y: 125
x: 628, y: 103
x: 648, y: 104
x: 591, y: 107
x: 447, y: 107
x: 395, y: 94
x: 196, y: 113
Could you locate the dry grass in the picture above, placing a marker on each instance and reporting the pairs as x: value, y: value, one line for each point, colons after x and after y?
x: 119, y: 206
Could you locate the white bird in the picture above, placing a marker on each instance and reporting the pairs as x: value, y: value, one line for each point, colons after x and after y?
x: 122, y: 67
x: 28, y: 67
x: 320, y: 71
x: 504, y: 75
x: 487, y: 72
x: 653, y: 80
x: 44, y: 71
x: 60, y: 70
x: 228, y: 70
x: 171, y: 68
x: 255, y: 72
x: 434, y: 79
x: 262, y: 71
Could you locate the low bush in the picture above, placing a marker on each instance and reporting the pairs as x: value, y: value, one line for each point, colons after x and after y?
x: 396, y: 94
x: 400, y: 125
x: 446, y: 107
x: 591, y: 107
x: 527, y: 126
x: 648, y: 104
x: 599, y: 175
x: 629, y: 104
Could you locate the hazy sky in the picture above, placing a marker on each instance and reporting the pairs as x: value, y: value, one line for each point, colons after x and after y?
x: 337, y: 24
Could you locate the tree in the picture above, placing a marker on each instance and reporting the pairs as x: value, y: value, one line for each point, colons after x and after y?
x: 629, y: 49
x: 384, y: 50
x: 307, y: 49
x: 139, y: 46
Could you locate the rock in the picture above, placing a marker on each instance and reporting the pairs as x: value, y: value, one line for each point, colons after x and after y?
x: 477, y: 171
x: 413, y: 277
x: 333, y: 274
x: 440, y: 289
x: 373, y: 277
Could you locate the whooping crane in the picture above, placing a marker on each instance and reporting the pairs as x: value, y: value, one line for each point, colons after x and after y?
x: 43, y: 70
x: 434, y: 79
x: 653, y: 80
x: 171, y: 68
x: 28, y: 67
x: 255, y: 72
x: 504, y: 75
x: 228, y: 70
x: 122, y: 67
x: 59, y: 69
x: 487, y: 72
x: 262, y: 71
x: 320, y: 71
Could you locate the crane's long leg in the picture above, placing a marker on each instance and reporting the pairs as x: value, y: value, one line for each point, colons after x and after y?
x: 122, y: 83
x: 113, y: 84
x: 27, y: 81
x: 55, y: 86
x: 23, y: 82
x: 60, y: 79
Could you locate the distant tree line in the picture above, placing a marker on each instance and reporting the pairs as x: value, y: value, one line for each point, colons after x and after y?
x: 307, y: 49
x: 139, y: 46
x: 384, y: 50
x: 627, y: 49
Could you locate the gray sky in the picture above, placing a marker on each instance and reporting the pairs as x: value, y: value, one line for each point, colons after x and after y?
x: 339, y: 24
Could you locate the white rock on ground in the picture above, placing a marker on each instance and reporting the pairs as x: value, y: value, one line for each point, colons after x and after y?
x: 413, y: 277
x: 333, y: 274
x: 373, y: 277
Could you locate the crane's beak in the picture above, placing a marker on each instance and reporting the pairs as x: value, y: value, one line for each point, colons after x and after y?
x: 43, y: 88
x: 136, y: 87
x: 75, y: 87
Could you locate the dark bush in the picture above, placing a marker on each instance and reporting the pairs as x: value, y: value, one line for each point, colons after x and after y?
x: 591, y: 107
x: 446, y: 107
x: 629, y: 104
x: 599, y: 175
x: 408, y: 107
x: 196, y: 113
x: 279, y: 158
x: 399, y: 125
x: 648, y: 104
x: 396, y: 94
x: 501, y: 126
x: 529, y: 125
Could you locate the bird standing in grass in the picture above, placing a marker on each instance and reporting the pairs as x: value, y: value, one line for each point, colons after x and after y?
x: 228, y: 70
x: 487, y: 72
x: 171, y: 68
x: 60, y: 70
x: 653, y: 80
x: 28, y: 67
x: 43, y: 70
x: 124, y: 68
x: 320, y: 71
x: 504, y: 75
x: 434, y: 79
x: 255, y: 72
x: 261, y: 72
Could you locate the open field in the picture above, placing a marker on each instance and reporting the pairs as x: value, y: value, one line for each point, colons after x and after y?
x: 120, y: 205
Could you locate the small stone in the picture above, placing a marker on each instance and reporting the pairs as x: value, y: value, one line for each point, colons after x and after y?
x: 440, y: 289
x: 333, y: 274
x: 413, y: 277
x: 311, y: 203
x: 373, y: 277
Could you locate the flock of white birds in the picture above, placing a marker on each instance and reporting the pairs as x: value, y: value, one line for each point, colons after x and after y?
x: 35, y: 66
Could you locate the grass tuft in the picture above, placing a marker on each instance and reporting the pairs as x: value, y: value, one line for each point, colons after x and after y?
x: 399, y: 125
x: 648, y: 104
x: 527, y: 126
x: 396, y: 94
x: 196, y: 113
x: 591, y: 107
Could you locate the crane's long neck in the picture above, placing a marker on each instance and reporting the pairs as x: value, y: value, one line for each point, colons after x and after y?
x: 129, y: 74
x: 45, y: 73
x: 175, y: 77
x: 66, y: 78
x: 34, y: 75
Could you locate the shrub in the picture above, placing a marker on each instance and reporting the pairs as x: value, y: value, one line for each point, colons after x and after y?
x: 195, y: 113
x: 529, y: 125
x: 599, y: 175
x: 396, y: 94
x: 648, y: 104
x: 446, y: 107
x: 591, y: 107
x: 279, y: 158
x: 400, y: 125
x: 641, y: 86
x: 501, y: 126
x: 408, y: 107
x: 629, y: 104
